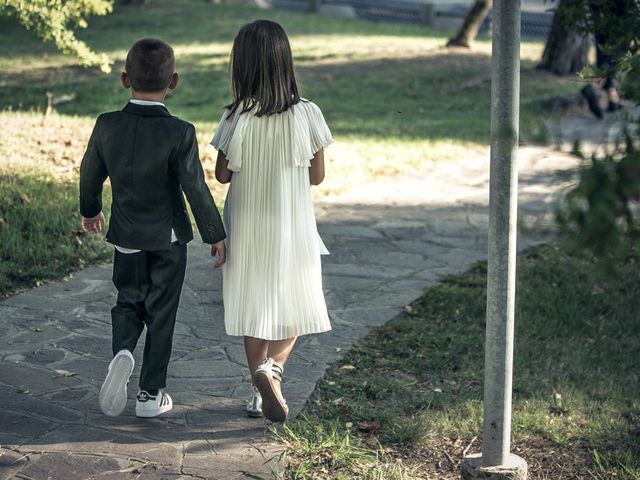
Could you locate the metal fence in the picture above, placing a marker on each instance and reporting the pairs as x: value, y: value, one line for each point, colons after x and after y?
x: 535, y: 24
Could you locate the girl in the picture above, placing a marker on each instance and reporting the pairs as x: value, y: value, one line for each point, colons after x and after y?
x: 270, y: 147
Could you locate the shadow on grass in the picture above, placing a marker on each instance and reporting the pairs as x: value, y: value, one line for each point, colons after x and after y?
x: 40, y: 236
x: 429, y: 94
x: 432, y: 97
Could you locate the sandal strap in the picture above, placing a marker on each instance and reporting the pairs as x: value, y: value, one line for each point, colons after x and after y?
x: 276, y: 370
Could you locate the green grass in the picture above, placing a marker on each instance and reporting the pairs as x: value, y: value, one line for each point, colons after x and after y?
x: 393, y: 97
x: 40, y: 236
x: 328, y: 449
x: 414, y: 385
x: 389, y: 83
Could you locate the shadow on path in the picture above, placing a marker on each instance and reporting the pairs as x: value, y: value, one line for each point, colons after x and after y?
x: 389, y: 241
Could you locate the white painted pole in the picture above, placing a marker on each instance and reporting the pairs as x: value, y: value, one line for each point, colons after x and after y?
x: 503, y: 204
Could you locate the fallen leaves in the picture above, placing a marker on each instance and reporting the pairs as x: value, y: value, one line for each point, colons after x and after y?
x: 348, y: 368
x: 372, y: 441
x: 368, y: 427
x: 410, y: 310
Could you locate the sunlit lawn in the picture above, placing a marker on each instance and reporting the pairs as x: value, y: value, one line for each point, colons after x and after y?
x: 393, y: 97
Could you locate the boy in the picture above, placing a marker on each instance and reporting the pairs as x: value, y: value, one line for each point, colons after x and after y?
x: 150, y: 158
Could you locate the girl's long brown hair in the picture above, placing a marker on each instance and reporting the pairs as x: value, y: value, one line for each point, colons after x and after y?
x: 262, y: 70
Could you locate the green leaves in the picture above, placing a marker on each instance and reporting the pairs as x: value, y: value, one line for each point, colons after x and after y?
x: 55, y: 21
x: 617, y: 24
x: 598, y: 209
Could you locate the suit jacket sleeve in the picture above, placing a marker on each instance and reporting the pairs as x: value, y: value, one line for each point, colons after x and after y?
x: 188, y: 168
x: 93, y: 173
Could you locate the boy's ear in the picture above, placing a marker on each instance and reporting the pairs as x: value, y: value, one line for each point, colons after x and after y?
x: 175, y: 78
x: 124, y: 78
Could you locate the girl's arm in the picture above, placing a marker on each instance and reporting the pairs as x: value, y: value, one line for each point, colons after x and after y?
x: 223, y: 174
x: 316, y: 170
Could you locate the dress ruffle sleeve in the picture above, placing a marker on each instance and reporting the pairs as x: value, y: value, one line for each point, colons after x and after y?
x: 228, y: 138
x: 311, y: 133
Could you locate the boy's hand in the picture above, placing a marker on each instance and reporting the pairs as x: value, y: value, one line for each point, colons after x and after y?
x: 218, y: 249
x: 93, y: 225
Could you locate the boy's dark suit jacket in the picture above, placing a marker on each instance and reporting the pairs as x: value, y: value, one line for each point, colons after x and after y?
x: 150, y: 157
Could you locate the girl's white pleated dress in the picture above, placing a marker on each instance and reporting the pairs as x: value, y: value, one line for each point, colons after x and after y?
x: 272, y: 279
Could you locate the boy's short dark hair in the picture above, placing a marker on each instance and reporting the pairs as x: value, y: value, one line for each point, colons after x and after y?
x: 150, y: 65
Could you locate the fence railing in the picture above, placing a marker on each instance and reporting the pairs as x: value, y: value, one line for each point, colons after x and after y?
x: 535, y: 25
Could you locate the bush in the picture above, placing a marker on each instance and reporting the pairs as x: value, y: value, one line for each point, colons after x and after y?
x: 599, y: 209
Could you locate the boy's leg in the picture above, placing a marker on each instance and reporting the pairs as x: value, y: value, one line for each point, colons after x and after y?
x: 131, y: 279
x: 166, y: 274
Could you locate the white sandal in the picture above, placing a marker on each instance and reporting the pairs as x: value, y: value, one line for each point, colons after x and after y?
x: 254, y: 404
x: 274, y: 407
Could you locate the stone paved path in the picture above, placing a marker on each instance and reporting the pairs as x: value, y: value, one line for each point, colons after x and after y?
x: 389, y: 242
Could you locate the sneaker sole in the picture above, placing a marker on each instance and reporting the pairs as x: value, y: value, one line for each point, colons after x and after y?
x: 272, y: 407
x: 113, y: 394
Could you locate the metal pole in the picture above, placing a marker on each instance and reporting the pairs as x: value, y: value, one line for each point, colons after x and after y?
x: 503, y: 202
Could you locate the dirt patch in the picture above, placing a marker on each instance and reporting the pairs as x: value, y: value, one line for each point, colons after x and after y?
x: 442, y: 459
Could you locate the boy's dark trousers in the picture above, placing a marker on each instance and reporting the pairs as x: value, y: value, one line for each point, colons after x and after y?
x: 149, y: 285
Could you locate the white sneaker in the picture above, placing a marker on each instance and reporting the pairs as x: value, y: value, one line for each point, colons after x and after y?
x: 254, y: 404
x: 148, y: 406
x: 113, y: 394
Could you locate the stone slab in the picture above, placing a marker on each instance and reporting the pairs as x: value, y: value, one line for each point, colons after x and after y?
x: 19, y: 423
x: 68, y: 465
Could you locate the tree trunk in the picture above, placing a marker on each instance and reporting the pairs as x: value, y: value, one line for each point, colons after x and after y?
x: 471, y: 24
x: 566, y: 50
x: 314, y: 6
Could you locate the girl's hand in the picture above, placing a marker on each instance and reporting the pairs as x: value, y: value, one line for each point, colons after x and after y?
x: 223, y: 174
x: 93, y: 225
x: 220, y: 250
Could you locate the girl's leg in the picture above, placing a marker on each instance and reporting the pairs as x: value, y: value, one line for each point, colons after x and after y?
x: 256, y: 350
x: 279, y: 350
